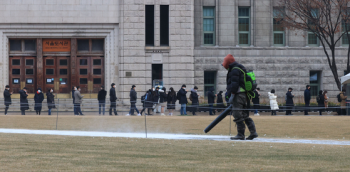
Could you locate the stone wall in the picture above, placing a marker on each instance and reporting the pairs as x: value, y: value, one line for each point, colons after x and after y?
x: 177, y: 59
x: 59, y: 11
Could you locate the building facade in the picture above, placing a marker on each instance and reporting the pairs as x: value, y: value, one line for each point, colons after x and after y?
x: 63, y: 43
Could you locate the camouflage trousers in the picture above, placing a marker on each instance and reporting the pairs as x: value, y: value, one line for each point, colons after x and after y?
x: 240, y: 110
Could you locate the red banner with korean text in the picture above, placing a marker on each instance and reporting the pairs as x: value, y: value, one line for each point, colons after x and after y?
x: 56, y: 45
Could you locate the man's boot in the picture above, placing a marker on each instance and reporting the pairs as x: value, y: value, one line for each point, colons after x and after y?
x: 240, y: 131
x: 252, y: 129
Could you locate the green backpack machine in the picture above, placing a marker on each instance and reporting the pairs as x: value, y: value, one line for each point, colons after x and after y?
x: 249, y: 82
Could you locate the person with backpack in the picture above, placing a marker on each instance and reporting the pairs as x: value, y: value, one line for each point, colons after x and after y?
x: 320, y: 101
x: 256, y: 101
x: 194, y: 99
x: 220, y: 102
x: 342, y: 99
x: 211, y: 100
x: 307, y: 98
x: 38, y: 99
x: 23, y: 100
x: 171, y: 100
x: 143, y: 101
x: 101, y: 97
x: 156, y: 97
x: 289, y: 101
x: 239, y: 98
x: 273, y: 102
x: 326, y: 102
x: 181, y: 96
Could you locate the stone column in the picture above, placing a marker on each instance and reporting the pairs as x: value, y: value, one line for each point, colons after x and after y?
x: 39, y: 63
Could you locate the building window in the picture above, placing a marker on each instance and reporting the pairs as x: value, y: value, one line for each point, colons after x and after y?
x: 157, y: 73
x: 164, y: 25
x: 311, y: 36
x: 278, y: 30
x: 209, y: 25
x: 209, y: 81
x: 345, y: 27
x: 97, y: 44
x: 29, y: 62
x: 315, y: 82
x: 149, y: 25
x: 15, y: 45
x: 244, y: 26
x: 29, y: 45
x: 83, y: 44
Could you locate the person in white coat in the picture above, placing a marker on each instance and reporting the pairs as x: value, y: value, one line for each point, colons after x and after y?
x: 273, y: 102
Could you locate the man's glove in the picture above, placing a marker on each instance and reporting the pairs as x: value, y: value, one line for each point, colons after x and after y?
x: 230, y: 101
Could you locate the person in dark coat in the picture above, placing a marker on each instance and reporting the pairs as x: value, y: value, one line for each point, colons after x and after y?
x: 181, y: 95
x: 238, y: 98
x: 7, y: 98
x: 256, y: 101
x: 113, y: 98
x: 307, y: 98
x: 23, y: 100
x: 171, y: 100
x: 133, y: 100
x: 74, y: 88
x: 290, y: 102
x: 220, y: 102
x: 156, y: 97
x: 320, y: 101
x: 101, y: 97
x: 50, y: 100
x: 211, y: 100
x: 149, y: 102
x: 194, y: 97
x: 38, y: 99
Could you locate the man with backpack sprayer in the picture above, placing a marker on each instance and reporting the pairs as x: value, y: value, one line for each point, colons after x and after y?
x: 240, y: 84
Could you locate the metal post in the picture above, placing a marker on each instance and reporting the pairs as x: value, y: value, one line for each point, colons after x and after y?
x: 146, y: 123
x: 230, y: 123
x: 58, y: 102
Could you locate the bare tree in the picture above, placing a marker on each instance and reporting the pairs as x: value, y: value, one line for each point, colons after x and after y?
x: 323, y: 18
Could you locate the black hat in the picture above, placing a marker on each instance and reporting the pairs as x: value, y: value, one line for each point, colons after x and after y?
x: 307, y: 86
x: 290, y: 88
x: 112, y: 84
x: 157, y: 88
x: 102, y: 86
x: 183, y: 85
x: 133, y: 86
x: 195, y: 87
x: 24, y: 88
x: 7, y: 86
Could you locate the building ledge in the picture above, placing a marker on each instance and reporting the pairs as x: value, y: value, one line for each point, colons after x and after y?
x: 149, y: 49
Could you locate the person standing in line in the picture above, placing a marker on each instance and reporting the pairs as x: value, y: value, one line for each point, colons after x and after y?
x: 219, y: 102
x: 149, y: 101
x: 326, y: 101
x: 50, y: 100
x: 162, y: 100
x: 101, y: 97
x: 194, y: 99
x: 143, y: 101
x: 7, y: 98
x: 74, y: 106
x: 38, y: 99
x: 156, y: 97
x: 113, y: 98
x: 273, y: 102
x: 238, y: 98
x: 23, y: 100
x: 307, y: 98
x: 289, y: 102
x: 171, y: 100
x: 320, y: 101
x: 78, y: 100
x: 256, y: 101
x: 343, y: 101
x: 181, y: 95
x: 211, y: 101
x: 133, y: 100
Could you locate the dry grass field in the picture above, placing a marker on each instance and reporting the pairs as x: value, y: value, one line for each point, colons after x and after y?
x: 303, y: 127
x: 63, y: 153
x: 20, y: 152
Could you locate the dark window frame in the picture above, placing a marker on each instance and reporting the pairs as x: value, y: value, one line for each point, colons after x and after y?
x: 149, y: 25
x: 164, y: 25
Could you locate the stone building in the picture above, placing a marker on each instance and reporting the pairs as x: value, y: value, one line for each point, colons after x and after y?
x: 61, y: 43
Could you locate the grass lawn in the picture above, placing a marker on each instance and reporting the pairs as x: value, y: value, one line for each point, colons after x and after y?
x: 61, y: 153
x: 303, y: 127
